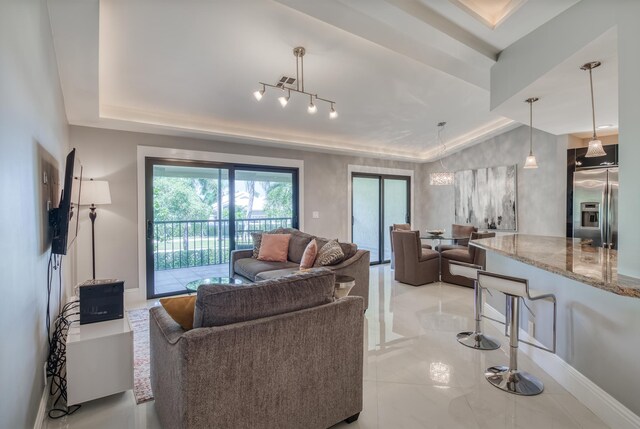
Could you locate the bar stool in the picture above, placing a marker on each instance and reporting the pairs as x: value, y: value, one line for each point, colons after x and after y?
x: 476, y: 339
x: 511, y: 379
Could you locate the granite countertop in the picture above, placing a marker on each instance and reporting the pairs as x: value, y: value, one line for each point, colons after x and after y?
x: 594, y: 266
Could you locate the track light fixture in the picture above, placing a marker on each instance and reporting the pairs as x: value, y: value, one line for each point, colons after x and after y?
x: 287, y: 83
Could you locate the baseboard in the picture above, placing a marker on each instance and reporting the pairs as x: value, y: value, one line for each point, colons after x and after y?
x: 42, y: 408
x: 602, y: 404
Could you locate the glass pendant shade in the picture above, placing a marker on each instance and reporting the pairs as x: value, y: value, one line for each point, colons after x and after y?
x: 531, y: 162
x: 595, y: 149
x: 441, y: 179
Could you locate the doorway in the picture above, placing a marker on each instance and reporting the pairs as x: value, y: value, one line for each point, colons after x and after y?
x: 198, y: 212
x: 377, y: 202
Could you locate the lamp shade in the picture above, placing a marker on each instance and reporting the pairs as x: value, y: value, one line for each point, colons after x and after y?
x: 531, y: 162
x: 95, y: 192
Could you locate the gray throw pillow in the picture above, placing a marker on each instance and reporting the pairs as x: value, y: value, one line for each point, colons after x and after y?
x: 257, y: 240
x: 329, y: 254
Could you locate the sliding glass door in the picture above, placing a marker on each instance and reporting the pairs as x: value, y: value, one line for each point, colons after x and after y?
x: 377, y: 202
x: 197, y: 212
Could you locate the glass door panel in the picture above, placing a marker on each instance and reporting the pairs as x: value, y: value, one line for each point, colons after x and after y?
x: 395, y: 208
x: 187, y: 225
x: 265, y: 199
x: 366, y: 215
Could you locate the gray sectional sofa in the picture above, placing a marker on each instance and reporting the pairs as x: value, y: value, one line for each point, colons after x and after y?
x: 278, y: 353
x: 354, y: 264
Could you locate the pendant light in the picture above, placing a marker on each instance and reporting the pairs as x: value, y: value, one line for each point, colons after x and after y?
x: 530, y: 162
x: 443, y: 178
x: 595, y: 145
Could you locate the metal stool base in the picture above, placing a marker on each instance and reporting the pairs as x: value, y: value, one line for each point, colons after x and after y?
x: 478, y: 341
x: 514, y: 381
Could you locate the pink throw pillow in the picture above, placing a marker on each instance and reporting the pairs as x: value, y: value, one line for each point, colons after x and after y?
x: 274, y: 247
x: 309, y: 255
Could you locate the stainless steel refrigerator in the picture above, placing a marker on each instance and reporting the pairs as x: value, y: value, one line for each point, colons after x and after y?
x: 595, y: 206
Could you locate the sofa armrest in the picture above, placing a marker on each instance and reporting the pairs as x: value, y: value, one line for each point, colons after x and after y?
x: 357, y: 267
x: 166, y: 366
x: 235, y: 255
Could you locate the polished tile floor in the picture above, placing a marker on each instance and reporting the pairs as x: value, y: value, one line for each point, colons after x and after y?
x: 416, y: 375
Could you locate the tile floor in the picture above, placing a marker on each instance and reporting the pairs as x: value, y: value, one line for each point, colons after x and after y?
x: 175, y: 280
x: 416, y: 375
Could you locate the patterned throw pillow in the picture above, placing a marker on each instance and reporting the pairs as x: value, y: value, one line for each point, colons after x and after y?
x: 329, y: 254
x: 257, y: 240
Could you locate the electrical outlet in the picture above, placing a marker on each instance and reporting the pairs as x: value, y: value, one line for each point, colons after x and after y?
x: 315, y: 215
x: 44, y: 177
x: 531, y: 329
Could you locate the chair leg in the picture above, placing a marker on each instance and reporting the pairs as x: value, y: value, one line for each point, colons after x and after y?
x: 510, y: 379
x: 352, y: 419
x: 476, y: 339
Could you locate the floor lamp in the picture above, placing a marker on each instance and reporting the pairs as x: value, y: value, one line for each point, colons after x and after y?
x: 92, y: 194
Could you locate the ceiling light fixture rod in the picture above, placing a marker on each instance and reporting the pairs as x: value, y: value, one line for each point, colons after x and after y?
x: 298, y: 91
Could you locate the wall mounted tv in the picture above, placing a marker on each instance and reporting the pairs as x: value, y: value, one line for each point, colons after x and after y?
x: 64, y: 219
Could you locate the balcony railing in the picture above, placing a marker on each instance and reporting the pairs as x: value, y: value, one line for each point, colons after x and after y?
x: 196, y: 243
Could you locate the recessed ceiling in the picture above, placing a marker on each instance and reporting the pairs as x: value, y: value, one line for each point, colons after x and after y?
x: 190, y: 67
x: 490, y: 12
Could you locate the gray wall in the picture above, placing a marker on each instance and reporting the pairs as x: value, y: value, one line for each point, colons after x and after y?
x: 541, y: 192
x: 33, y: 139
x: 111, y: 155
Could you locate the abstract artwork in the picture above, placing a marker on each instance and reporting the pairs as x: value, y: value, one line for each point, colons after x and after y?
x: 486, y: 198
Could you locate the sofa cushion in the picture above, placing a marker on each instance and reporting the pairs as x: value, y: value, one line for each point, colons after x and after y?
x: 249, y: 267
x: 274, y: 247
x: 218, y: 305
x: 329, y: 254
x: 461, y: 255
x: 276, y: 274
x: 298, y: 244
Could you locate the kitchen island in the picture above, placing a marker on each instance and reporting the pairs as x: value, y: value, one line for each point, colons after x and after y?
x: 598, y: 319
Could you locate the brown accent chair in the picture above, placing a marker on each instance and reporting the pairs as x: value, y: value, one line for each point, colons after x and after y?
x: 414, y: 265
x: 400, y: 227
x: 469, y: 254
x: 458, y: 231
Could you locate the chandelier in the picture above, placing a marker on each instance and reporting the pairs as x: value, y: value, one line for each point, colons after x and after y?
x: 443, y: 178
x: 288, y: 84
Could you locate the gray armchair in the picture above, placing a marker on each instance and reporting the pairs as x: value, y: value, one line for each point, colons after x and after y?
x: 413, y: 264
x: 400, y: 227
x: 289, y: 368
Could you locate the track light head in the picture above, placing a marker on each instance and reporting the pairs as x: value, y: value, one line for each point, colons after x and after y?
x: 312, y: 107
x: 258, y: 94
x: 332, y: 113
x: 284, y: 100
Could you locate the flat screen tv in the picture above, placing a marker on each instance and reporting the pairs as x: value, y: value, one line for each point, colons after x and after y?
x: 64, y: 218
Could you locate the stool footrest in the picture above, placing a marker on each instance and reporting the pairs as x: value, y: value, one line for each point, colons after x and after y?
x: 478, y: 341
x: 514, y: 381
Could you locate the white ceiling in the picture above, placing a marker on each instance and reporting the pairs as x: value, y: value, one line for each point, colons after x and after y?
x: 395, y: 68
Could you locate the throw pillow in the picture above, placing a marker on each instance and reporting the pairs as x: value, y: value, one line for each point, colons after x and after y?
x: 274, y: 247
x: 257, y: 240
x: 330, y: 254
x: 180, y: 309
x: 309, y: 255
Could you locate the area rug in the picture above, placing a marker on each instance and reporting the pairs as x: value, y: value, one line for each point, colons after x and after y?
x: 139, y: 320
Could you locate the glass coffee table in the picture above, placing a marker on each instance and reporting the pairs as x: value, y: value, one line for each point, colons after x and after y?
x: 194, y: 285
